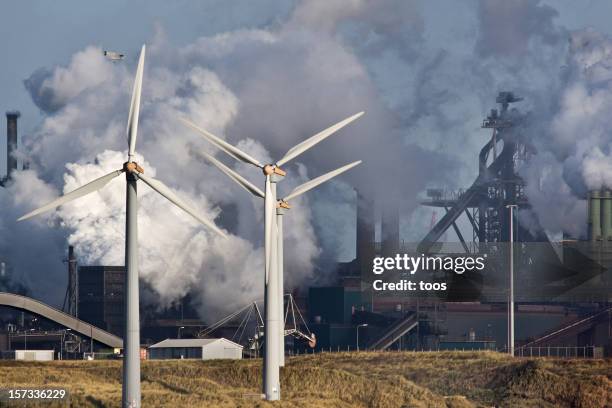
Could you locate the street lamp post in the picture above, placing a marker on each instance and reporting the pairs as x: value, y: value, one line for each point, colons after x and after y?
x: 511, y: 294
x: 25, y: 339
x: 358, y: 326
x: 179, y: 331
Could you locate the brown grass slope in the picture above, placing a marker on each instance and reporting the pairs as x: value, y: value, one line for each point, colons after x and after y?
x: 382, y: 380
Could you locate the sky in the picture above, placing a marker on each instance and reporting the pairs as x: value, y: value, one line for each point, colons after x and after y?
x: 267, y: 74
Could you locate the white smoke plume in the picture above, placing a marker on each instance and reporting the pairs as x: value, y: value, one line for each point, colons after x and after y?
x: 574, y: 141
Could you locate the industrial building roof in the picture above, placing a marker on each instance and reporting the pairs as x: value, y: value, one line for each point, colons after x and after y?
x: 190, y: 343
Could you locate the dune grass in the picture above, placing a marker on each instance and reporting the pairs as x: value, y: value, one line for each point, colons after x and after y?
x: 367, y: 379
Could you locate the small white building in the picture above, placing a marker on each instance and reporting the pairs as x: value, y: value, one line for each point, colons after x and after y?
x: 34, y: 355
x: 205, y: 349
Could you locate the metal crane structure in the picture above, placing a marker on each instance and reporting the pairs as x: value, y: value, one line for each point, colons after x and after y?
x: 250, y: 328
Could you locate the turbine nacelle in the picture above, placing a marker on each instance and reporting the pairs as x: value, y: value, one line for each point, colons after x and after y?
x: 132, y: 167
x: 283, y: 204
x: 270, y: 169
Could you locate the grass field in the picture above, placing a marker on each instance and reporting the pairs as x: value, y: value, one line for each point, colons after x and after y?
x: 392, y: 379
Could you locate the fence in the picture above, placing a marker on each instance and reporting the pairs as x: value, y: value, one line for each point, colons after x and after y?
x: 560, y: 351
x: 526, y: 352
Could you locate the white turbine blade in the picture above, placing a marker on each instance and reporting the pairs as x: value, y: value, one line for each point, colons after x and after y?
x: 132, y: 126
x: 309, y: 185
x: 223, y: 145
x: 162, y: 189
x: 313, y: 140
x: 90, y: 187
x: 242, y: 182
x: 270, y: 216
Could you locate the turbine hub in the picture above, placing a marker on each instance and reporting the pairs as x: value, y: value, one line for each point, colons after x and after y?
x: 270, y: 169
x: 132, y: 167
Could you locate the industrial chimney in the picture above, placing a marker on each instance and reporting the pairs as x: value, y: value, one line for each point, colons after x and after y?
x: 73, y: 284
x: 389, y: 229
x: 11, y: 142
x: 365, y: 232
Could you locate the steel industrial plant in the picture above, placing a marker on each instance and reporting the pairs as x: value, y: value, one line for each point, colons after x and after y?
x: 535, y: 295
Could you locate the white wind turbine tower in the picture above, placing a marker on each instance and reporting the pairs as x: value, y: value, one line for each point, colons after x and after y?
x: 133, y: 173
x: 274, y: 333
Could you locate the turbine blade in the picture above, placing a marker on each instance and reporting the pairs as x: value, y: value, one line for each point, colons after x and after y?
x: 269, y: 217
x: 241, y: 181
x: 309, y: 185
x: 132, y: 126
x: 90, y: 187
x: 223, y: 145
x: 313, y: 140
x: 162, y: 189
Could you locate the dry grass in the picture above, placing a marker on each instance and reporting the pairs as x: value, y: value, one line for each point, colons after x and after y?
x: 385, y: 380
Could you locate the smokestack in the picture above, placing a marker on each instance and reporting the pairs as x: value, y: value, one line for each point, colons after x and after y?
x: 11, y: 142
x: 365, y: 232
x: 594, y: 215
x: 389, y: 229
x: 606, y: 216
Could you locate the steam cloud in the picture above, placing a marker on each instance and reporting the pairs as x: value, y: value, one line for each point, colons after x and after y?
x: 270, y: 88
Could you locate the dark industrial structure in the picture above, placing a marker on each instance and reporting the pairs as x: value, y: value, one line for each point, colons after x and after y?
x: 11, y: 142
x: 101, y: 297
x: 497, y: 185
x: 11, y: 145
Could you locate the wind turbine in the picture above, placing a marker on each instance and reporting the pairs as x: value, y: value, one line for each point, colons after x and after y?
x: 282, y: 205
x: 273, y: 282
x: 133, y: 173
